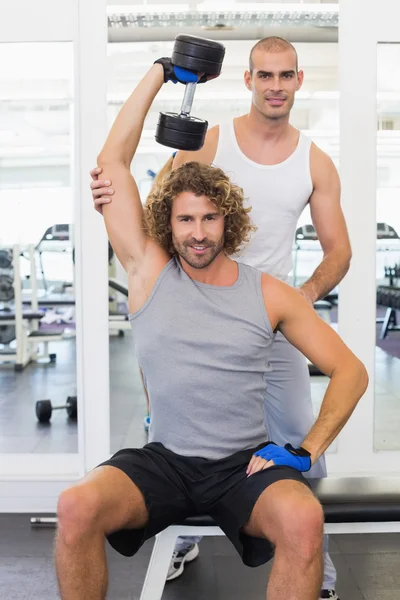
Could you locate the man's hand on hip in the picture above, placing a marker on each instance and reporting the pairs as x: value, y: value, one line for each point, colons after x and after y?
x: 272, y: 454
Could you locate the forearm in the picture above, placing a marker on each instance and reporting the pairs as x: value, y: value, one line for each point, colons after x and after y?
x: 126, y: 131
x: 346, y: 387
x: 327, y: 275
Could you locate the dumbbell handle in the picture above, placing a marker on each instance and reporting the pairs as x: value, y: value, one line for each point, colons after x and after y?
x: 188, y: 99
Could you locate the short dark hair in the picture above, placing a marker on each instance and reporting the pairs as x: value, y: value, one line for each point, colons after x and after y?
x: 272, y: 43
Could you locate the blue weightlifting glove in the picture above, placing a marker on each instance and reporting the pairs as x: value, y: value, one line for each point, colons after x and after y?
x: 177, y: 74
x: 297, y: 458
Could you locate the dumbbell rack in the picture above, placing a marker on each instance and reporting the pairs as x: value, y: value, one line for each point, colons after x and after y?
x: 388, y: 296
x: 27, y: 334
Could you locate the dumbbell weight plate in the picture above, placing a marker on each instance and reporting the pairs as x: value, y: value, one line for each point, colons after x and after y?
x: 6, y: 288
x: 44, y: 410
x: 72, y: 407
x: 199, y: 47
x: 7, y: 334
x: 5, y: 259
x: 181, y: 133
x: 198, y: 54
x: 191, y: 125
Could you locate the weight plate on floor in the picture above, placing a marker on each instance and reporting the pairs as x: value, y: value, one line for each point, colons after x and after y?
x: 6, y: 288
x: 44, y: 410
x: 72, y: 407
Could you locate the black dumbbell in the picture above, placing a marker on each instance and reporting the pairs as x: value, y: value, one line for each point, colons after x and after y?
x: 44, y: 409
x: 181, y: 131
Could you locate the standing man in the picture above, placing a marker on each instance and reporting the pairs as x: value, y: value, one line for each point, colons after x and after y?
x: 280, y: 171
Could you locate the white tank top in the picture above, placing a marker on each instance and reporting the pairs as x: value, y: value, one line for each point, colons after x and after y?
x: 277, y: 195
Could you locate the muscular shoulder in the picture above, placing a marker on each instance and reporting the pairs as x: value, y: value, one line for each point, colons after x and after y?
x: 321, y: 165
x: 279, y: 298
x: 205, y: 155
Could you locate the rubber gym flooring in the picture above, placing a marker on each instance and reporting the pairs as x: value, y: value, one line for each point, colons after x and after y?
x: 367, y: 565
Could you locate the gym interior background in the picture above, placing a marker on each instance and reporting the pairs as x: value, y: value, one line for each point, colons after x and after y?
x: 64, y: 334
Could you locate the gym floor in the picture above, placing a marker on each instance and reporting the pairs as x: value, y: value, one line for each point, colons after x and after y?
x: 367, y: 568
x: 21, y: 432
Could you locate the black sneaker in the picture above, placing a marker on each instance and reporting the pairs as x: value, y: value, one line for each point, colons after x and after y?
x: 331, y: 594
x: 178, y: 560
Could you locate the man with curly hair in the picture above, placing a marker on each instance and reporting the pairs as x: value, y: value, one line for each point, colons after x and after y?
x: 280, y: 171
x: 203, y: 325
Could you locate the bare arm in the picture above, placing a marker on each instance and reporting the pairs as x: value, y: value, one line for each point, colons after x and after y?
x: 205, y: 155
x: 303, y: 328
x: 124, y: 216
x: 329, y: 223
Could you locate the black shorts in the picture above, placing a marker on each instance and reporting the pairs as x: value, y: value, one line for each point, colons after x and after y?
x: 176, y: 487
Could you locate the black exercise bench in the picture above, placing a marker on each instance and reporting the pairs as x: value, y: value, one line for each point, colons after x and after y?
x: 351, y: 505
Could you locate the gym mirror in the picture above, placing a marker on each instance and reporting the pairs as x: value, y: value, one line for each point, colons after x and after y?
x: 387, y: 366
x: 37, y: 301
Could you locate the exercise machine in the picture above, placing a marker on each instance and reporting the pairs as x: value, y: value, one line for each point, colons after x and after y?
x: 17, y: 324
x: 57, y: 238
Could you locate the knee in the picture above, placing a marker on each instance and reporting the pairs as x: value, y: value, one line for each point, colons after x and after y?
x: 78, y: 512
x: 301, y: 529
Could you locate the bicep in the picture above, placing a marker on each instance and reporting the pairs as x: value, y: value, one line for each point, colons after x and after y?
x: 326, y: 211
x: 124, y: 215
x: 323, y: 347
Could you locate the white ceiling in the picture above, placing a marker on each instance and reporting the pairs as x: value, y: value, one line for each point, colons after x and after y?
x: 217, y: 4
x: 205, y: 4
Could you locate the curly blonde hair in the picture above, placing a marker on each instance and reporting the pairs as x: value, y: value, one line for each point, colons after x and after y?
x: 202, y: 180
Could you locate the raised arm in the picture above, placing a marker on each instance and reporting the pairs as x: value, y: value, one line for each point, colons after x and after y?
x: 124, y: 216
x: 329, y: 223
x: 301, y: 325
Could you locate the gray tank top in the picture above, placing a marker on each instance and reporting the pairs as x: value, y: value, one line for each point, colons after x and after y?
x: 203, y: 351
